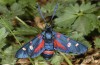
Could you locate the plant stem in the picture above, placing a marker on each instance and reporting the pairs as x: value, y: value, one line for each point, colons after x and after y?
x: 21, y: 21
x: 10, y: 31
x: 66, y: 59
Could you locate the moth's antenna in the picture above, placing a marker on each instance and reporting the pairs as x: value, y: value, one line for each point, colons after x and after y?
x: 41, y: 12
x: 55, y: 9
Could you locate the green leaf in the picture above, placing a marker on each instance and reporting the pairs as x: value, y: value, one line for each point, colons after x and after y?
x: 48, y: 8
x: 29, y: 7
x: 97, y: 42
x: 82, y: 25
x: 7, y: 2
x: 93, y: 19
x: 85, y: 24
x: 75, y: 8
x: 65, y: 21
x: 87, y: 8
x: 8, y: 50
x: 25, y: 31
x: 4, y: 22
x: 71, y: 1
x: 3, y: 9
x: 9, y: 53
x: 63, y: 30
x: 56, y: 60
x: 81, y: 16
x: 75, y: 35
x: 86, y: 43
x: 16, y: 9
x: 3, y: 33
x: 26, y: 3
x: 98, y: 22
x: 68, y: 17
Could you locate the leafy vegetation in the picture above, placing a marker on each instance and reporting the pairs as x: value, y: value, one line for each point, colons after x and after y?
x: 20, y: 22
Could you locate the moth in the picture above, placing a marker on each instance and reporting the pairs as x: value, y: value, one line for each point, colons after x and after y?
x: 48, y: 41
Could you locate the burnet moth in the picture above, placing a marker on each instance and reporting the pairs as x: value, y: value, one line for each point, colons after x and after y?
x: 48, y: 41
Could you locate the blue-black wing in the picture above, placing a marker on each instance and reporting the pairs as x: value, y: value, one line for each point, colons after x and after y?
x: 65, y: 44
x: 31, y: 49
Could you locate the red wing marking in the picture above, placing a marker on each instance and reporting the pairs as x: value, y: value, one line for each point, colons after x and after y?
x: 40, y: 46
x: 48, y: 52
x: 58, y: 44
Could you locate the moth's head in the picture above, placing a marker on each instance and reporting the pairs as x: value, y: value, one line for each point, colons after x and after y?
x: 50, y: 18
x: 48, y: 28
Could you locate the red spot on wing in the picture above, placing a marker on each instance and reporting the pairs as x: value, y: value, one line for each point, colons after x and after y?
x: 40, y: 46
x: 58, y: 44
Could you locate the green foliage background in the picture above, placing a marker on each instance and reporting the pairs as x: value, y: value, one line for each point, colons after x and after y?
x: 78, y: 20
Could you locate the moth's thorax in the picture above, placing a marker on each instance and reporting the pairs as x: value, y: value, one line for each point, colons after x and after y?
x: 47, y: 35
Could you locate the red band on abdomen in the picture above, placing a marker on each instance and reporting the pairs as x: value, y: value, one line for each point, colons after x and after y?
x: 48, y: 52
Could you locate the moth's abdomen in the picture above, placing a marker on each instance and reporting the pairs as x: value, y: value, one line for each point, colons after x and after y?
x: 47, y: 54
